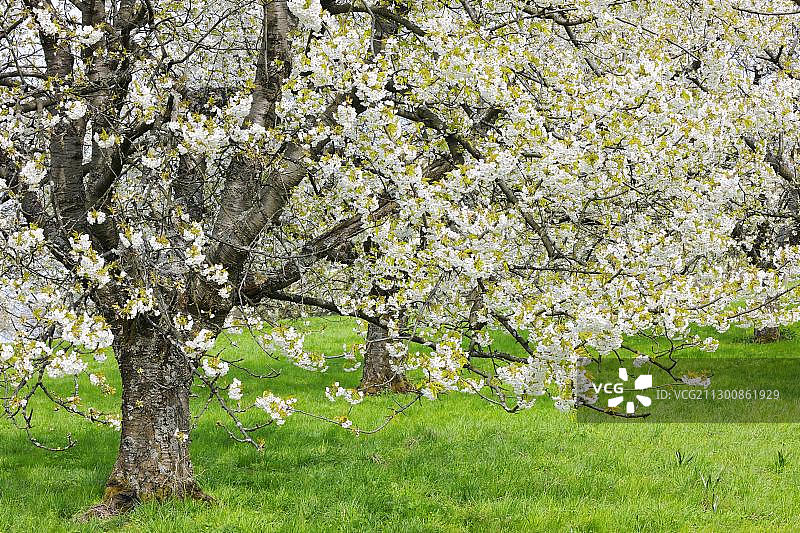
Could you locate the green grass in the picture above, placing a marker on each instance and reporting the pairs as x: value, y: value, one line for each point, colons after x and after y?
x: 456, y: 464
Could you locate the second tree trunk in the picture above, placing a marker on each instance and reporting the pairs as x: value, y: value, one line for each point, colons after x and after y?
x: 768, y: 334
x: 378, y: 375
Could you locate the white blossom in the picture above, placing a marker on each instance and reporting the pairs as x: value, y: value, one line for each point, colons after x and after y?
x: 33, y: 172
x: 235, y: 390
x: 66, y: 364
x: 75, y: 109
x: 215, y: 367
x: 202, y: 342
x: 278, y: 409
x: 45, y: 20
x: 308, y: 12
x: 351, y: 396
x: 89, y: 35
x: 105, y: 141
x: 95, y: 217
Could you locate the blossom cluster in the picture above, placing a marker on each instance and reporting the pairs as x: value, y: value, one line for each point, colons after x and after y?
x: 351, y: 396
x: 277, y: 408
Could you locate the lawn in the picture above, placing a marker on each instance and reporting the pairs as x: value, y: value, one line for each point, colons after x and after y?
x: 457, y: 464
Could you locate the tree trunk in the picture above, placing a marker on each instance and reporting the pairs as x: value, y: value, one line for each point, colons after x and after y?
x: 766, y: 335
x: 378, y: 375
x: 153, y: 460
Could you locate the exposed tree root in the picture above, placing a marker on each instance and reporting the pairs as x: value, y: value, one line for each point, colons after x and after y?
x: 397, y: 383
x: 118, y: 501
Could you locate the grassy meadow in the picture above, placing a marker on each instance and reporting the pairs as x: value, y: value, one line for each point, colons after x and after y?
x: 457, y: 464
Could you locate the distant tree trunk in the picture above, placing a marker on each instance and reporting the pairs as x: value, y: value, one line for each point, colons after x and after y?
x: 766, y: 335
x: 378, y: 375
x: 153, y: 460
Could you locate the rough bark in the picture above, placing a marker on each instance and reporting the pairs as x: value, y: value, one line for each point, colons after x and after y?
x: 153, y: 460
x: 378, y: 375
